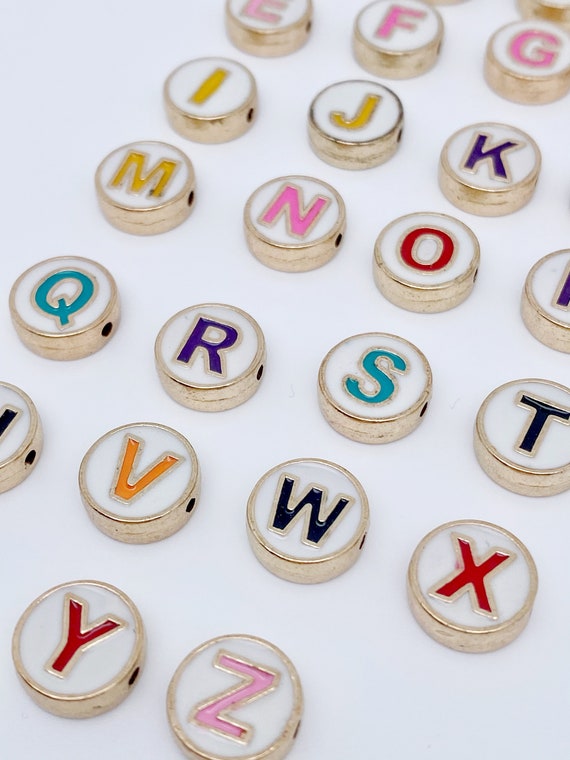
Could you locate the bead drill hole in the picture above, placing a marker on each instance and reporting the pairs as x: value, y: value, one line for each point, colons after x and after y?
x: 259, y: 372
x: 425, y: 406
x: 308, y: 27
x: 362, y: 542
x: 399, y: 135
x: 134, y: 676
x: 297, y: 730
x: 106, y: 331
x: 30, y: 458
x: 338, y: 240
x: 191, y: 198
x: 191, y: 504
x: 475, y: 275
x: 250, y: 114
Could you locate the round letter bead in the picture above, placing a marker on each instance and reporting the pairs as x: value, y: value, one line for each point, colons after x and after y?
x: 145, y: 187
x: 307, y: 520
x: 397, y: 40
x: 529, y: 62
x: 374, y: 388
x: 426, y: 262
x: 355, y: 124
x: 294, y: 223
x: 79, y: 648
x: 65, y: 308
x: 210, y: 357
x: 210, y: 100
x: 522, y: 437
x: 20, y: 436
x: 471, y: 585
x: 556, y: 11
x: 140, y: 483
x: 545, y: 303
x: 489, y: 169
x: 268, y: 27
x: 235, y: 698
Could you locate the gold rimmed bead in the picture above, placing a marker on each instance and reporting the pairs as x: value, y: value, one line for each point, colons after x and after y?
x: 21, y: 437
x: 268, y: 28
x: 545, y: 301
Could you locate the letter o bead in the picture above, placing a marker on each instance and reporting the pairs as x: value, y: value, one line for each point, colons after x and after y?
x: 397, y: 41
x: 426, y: 262
x: 65, y: 308
x: 556, y: 11
x: 472, y: 585
x: 545, y: 302
x: 79, y: 648
x: 529, y: 62
x: 218, y: 678
x: 294, y: 224
x: 489, y: 169
x: 140, y: 483
x: 307, y: 520
x: 210, y: 357
x: 145, y: 188
x: 21, y: 437
x: 522, y: 437
x: 355, y: 124
x: 374, y: 387
x: 268, y: 28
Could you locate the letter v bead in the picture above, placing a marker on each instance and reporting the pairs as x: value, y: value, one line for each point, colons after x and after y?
x: 125, y: 490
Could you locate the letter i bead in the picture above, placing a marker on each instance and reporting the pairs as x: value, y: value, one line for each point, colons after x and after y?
x: 556, y: 11
x: 220, y: 677
x: 307, y: 520
x: 79, y: 648
x: 21, y: 436
x: 545, y: 302
x: 210, y: 357
x: 145, y: 188
x: 268, y: 27
x: 522, y: 437
x: 65, y: 308
x: 529, y: 62
x: 397, y: 40
x: 294, y: 223
x: 374, y: 387
x: 489, y: 169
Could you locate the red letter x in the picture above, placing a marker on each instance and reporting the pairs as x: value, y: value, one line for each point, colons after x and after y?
x: 472, y: 577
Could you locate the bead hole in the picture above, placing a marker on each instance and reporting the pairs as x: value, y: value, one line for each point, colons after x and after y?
x: 106, y: 331
x: 250, y: 114
x: 191, y: 504
x: 191, y: 198
x: 475, y: 275
x: 259, y: 372
x: 338, y: 240
x: 134, y: 676
x: 424, y: 407
x: 308, y: 27
x: 399, y: 135
x: 362, y: 542
x: 297, y: 730
x: 30, y: 458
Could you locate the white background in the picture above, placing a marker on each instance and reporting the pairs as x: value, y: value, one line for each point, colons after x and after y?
x: 78, y: 81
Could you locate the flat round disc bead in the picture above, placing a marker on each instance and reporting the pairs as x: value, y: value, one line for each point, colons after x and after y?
x: 397, y: 40
x: 215, y: 681
x: 355, y: 124
x: 374, y: 387
x: 307, y: 520
x: 556, y: 11
x: 472, y: 585
x: 140, y: 483
x: 489, y: 169
x: 522, y: 437
x: 65, y: 308
x: 426, y: 262
x: 146, y: 187
x: 21, y: 436
x: 79, y: 648
x: 211, y: 100
x: 529, y: 62
x: 268, y: 28
x: 294, y: 223
x: 210, y: 357
x: 545, y: 302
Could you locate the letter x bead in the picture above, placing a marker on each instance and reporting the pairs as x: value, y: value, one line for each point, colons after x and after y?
x: 471, y: 585
x: 522, y: 437
x: 545, y: 302
x: 219, y: 678
x: 307, y: 520
x: 268, y: 27
x: 556, y: 11
x: 78, y: 648
x: 145, y: 188
x: 21, y: 436
x: 65, y: 308
x: 210, y: 357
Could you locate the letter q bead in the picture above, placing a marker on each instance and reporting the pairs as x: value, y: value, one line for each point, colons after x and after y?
x: 268, y: 27
x: 65, y: 308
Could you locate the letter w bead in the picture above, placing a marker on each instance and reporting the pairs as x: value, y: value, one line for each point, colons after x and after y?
x: 299, y: 220
x: 122, y: 488
x: 472, y: 577
x: 255, y: 683
x: 78, y: 636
